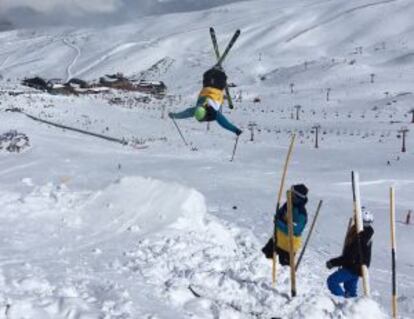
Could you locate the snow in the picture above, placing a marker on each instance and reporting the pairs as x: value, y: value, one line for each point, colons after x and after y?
x: 94, y: 229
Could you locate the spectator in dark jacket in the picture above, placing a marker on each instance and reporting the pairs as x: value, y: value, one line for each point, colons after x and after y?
x: 352, y: 259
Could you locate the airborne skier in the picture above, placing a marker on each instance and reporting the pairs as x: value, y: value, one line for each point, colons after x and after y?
x: 211, y: 97
x: 357, y: 251
x: 209, y: 102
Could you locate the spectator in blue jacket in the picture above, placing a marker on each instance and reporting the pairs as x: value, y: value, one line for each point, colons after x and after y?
x: 300, y: 219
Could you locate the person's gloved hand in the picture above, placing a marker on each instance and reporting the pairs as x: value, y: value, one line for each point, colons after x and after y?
x: 329, y: 264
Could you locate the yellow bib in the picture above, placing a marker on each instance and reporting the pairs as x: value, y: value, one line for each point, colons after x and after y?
x: 283, y: 241
x: 214, y: 94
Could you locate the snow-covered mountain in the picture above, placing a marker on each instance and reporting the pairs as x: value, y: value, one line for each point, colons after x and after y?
x: 94, y: 229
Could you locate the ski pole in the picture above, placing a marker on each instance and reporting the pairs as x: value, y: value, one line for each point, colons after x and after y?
x: 234, y: 148
x: 393, y: 253
x: 279, y: 198
x: 179, y: 131
x: 291, y: 244
x: 309, y: 235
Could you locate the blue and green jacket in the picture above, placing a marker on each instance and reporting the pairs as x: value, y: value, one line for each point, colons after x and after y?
x: 300, y: 219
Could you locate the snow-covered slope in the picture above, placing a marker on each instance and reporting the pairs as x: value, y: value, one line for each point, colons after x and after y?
x: 84, y: 237
x: 116, y: 253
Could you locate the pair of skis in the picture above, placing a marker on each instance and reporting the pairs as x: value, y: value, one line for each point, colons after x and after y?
x: 221, y: 58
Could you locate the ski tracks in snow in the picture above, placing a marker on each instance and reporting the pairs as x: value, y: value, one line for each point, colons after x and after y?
x: 117, y: 49
x: 4, y: 61
x: 75, y: 59
x: 337, y: 16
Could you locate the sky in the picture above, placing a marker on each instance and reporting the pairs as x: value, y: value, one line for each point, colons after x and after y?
x: 29, y: 13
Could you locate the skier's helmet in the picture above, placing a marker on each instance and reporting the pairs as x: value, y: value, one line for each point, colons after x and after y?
x: 215, y: 77
x: 200, y: 113
x: 367, y: 216
x: 300, y: 190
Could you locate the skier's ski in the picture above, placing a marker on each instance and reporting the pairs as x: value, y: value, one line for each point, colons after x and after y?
x: 359, y: 226
x: 217, y: 52
x: 228, y: 48
x: 215, y: 43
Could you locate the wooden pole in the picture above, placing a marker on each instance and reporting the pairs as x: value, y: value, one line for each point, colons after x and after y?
x: 291, y: 244
x: 309, y: 235
x: 359, y: 227
x: 393, y: 253
x: 279, y: 198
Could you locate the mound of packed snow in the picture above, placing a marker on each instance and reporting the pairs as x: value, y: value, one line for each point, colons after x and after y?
x: 91, y: 254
